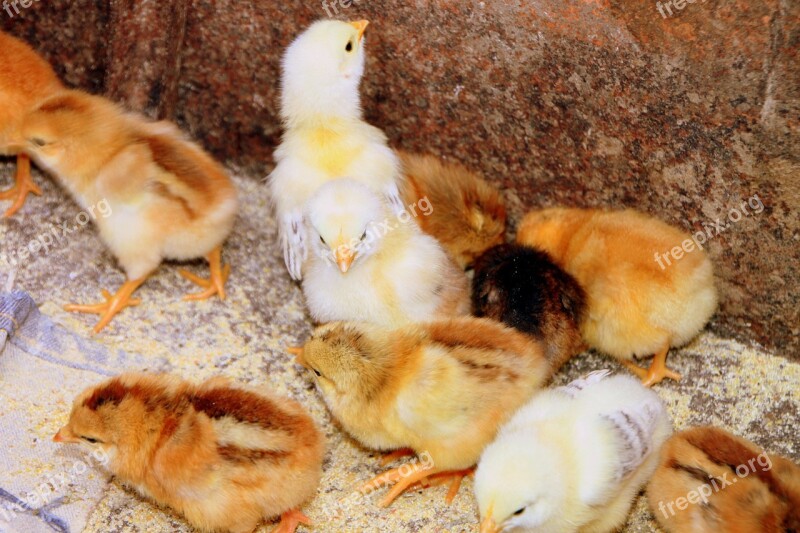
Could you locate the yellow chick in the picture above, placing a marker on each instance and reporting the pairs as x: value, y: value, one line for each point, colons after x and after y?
x: 636, y: 305
x: 710, y: 480
x: 467, y: 215
x: 441, y: 389
x: 573, y: 458
x: 25, y: 79
x: 166, y: 197
x: 368, y: 264
x: 223, y: 456
x: 325, y: 136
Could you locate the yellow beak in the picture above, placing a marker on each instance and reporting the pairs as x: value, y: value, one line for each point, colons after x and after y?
x: 297, y: 352
x: 488, y: 525
x: 360, y: 25
x: 344, y: 258
x: 65, y: 435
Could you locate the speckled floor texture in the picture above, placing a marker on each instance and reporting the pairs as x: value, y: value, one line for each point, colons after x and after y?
x: 740, y: 388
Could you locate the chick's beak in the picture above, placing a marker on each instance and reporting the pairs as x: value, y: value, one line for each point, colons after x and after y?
x: 297, y: 352
x: 65, y: 435
x: 360, y: 25
x: 488, y: 525
x: 344, y: 258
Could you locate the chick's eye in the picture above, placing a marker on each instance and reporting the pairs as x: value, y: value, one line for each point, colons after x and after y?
x: 317, y: 372
x: 519, y: 511
x: 364, y: 236
x: 321, y: 239
x: 38, y: 142
x: 349, y: 47
x: 90, y: 440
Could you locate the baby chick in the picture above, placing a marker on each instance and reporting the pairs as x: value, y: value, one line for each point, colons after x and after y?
x: 573, y: 458
x: 710, y: 480
x: 635, y: 307
x: 368, y: 264
x: 467, y: 215
x: 325, y: 136
x: 440, y: 388
x: 25, y: 79
x: 223, y: 456
x: 167, y: 197
x: 523, y: 288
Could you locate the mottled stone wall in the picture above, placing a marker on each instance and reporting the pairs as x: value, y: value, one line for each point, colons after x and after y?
x: 586, y: 103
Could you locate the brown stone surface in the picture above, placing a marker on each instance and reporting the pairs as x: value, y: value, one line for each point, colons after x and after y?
x: 576, y: 102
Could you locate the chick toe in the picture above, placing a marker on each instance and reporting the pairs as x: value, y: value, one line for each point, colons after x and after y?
x: 23, y: 185
x: 391, y: 457
x: 290, y: 520
x: 658, y: 369
x: 401, y: 486
x: 113, y: 304
x: 215, y: 284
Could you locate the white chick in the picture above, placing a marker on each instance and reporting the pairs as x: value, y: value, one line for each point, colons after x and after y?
x: 573, y: 458
x: 369, y: 265
x: 325, y: 136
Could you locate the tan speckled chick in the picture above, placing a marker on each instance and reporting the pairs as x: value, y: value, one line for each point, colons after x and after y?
x: 635, y: 306
x: 710, y: 480
x: 223, y: 456
x: 467, y: 215
x: 163, y: 196
x: 441, y: 389
x: 25, y: 79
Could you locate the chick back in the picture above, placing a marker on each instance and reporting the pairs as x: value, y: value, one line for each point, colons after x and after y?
x: 523, y: 288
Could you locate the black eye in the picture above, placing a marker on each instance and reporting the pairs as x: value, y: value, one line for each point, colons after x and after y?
x: 321, y: 239
x: 364, y: 236
x: 519, y: 511
x: 38, y: 142
x: 349, y: 47
x: 90, y: 439
x: 317, y: 372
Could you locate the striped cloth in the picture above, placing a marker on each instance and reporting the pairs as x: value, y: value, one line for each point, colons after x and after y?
x: 47, y: 487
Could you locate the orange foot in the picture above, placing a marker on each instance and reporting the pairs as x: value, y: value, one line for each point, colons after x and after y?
x: 216, y: 283
x: 391, y: 457
x: 22, y: 186
x: 413, y: 475
x: 113, y: 304
x: 658, y: 369
x: 290, y: 520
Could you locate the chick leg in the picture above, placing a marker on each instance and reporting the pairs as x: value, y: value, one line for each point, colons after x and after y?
x: 389, y: 458
x: 113, y: 304
x: 455, y: 483
x: 216, y: 283
x: 290, y: 520
x: 658, y: 369
x: 22, y: 186
x: 403, y: 483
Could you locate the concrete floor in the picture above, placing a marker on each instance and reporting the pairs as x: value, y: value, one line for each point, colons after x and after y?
x: 741, y: 388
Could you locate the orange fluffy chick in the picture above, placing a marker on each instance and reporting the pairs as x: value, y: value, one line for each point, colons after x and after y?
x: 698, y: 488
x: 223, y: 456
x: 166, y: 197
x: 25, y: 79
x: 441, y: 389
x: 468, y: 215
x: 636, y: 306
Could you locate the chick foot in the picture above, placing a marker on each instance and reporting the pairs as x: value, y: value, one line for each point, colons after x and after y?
x: 23, y: 185
x: 113, y: 304
x: 443, y: 477
x: 216, y: 283
x: 391, y: 457
x: 658, y: 369
x: 290, y: 520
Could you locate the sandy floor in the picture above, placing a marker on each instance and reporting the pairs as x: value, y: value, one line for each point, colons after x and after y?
x: 740, y: 388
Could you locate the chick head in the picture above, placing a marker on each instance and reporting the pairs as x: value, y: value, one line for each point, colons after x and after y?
x: 68, y: 126
x: 345, y: 218
x: 515, y: 489
x: 342, y: 358
x: 322, y: 69
x: 90, y: 423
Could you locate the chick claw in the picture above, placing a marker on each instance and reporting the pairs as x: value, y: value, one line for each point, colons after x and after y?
x: 290, y: 520
x: 216, y: 283
x: 22, y: 186
x: 113, y: 304
x: 658, y: 369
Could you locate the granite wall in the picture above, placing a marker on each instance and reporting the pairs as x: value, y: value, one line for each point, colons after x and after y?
x: 683, y: 112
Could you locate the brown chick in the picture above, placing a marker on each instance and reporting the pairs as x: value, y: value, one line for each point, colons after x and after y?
x: 710, y: 480
x: 458, y: 208
x: 441, y: 388
x: 25, y: 79
x: 523, y: 288
x: 636, y: 306
x: 223, y: 456
x: 167, y: 198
